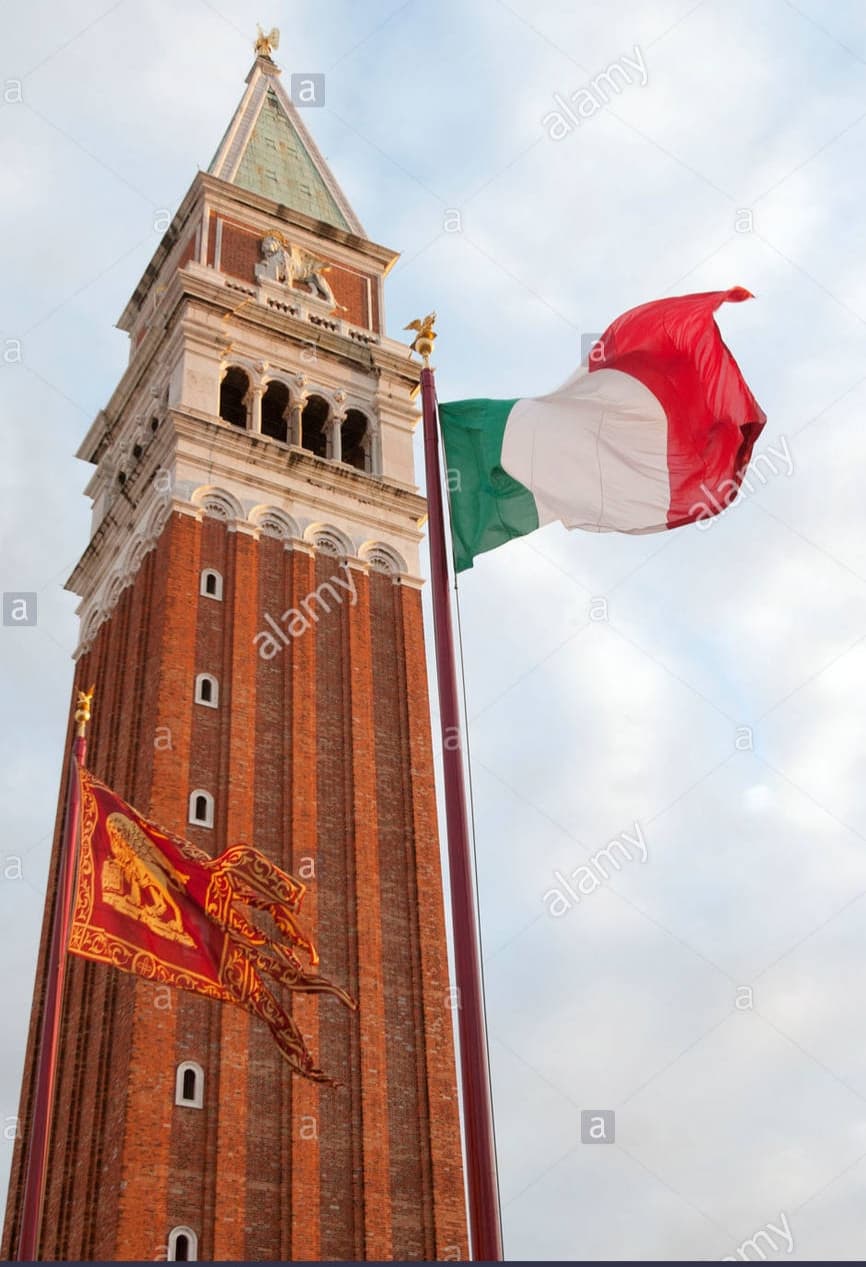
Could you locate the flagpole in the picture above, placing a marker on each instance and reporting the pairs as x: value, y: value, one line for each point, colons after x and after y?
x: 39, y: 1139
x: 481, y: 1177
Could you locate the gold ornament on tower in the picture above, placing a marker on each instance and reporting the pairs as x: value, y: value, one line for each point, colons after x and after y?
x: 267, y: 44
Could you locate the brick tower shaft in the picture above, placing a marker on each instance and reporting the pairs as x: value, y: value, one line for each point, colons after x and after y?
x: 251, y: 618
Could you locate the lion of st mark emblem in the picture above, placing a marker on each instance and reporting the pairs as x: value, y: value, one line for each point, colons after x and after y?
x: 137, y: 880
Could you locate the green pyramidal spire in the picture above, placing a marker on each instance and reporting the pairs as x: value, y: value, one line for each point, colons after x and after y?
x: 268, y: 150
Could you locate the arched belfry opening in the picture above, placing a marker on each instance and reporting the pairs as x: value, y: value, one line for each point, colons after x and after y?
x: 356, y: 440
x: 234, y: 390
x: 314, y: 426
x: 275, y: 412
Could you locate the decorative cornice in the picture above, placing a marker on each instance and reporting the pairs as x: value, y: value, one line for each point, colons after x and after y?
x: 105, y: 576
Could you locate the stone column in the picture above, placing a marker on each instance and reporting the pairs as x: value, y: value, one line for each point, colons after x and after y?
x: 374, y: 450
x: 335, y: 429
x: 256, y: 394
x: 296, y: 409
x: 336, y: 426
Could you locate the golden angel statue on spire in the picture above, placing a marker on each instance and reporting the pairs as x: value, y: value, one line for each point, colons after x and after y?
x: 267, y: 44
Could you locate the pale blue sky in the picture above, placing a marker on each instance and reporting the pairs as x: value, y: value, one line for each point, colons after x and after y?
x: 756, y: 864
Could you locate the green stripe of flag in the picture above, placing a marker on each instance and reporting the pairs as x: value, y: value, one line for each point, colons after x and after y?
x: 488, y: 506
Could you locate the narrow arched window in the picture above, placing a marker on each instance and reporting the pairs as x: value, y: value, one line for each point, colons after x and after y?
x: 211, y: 584
x: 189, y: 1085
x: 355, y: 440
x: 207, y: 690
x: 275, y: 411
x: 314, y: 419
x: 234, y: 391
x: 201, y: 808
x: 182, y: 1245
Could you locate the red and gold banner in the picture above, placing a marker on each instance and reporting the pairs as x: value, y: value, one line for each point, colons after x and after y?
x: 150, y: 903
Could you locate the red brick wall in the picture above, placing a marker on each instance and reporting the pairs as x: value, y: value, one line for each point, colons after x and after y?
x: 351, y: 291
x: 374, y: 1042
x: 375, y: 309
x: 305, y: 1239
x: 269, y: 1165
x: 240, y: 251
x: 339, y: 1124
x: 410, y: 1168
x: 237, y: 1126
x: 193, y: 1132
x: 442, y: 1111
x: 321, y: 756
x: 145, y: 1171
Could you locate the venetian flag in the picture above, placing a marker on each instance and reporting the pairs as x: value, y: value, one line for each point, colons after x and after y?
x: 655, y: 431
x: 155, y: 905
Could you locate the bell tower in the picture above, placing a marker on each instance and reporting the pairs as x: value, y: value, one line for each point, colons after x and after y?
x: 251, y: 618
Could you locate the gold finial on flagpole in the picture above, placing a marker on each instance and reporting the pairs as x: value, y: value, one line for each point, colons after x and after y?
x: 424, y: 338
x: 82, y: 710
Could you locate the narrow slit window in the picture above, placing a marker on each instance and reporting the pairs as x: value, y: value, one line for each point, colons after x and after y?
x: 212, y: 584
x: 201, y: 808
x: 182, y: 1245
x: 207, y: 690
x: 189, y: 1085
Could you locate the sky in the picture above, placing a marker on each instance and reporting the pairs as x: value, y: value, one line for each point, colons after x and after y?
x: 698, y: 692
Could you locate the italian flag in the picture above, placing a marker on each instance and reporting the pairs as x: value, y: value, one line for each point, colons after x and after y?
x: 655, y: 431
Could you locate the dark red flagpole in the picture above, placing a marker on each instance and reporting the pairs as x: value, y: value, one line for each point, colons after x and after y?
x: 483, y: 1190
x: 49, y: 1036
